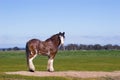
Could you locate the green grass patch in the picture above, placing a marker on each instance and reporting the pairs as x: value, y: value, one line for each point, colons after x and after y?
x: 64, y: 61
x: 88, y: 60
x: 18, y: 77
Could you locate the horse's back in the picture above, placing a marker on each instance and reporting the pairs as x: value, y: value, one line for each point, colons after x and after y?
x: 33, y: 41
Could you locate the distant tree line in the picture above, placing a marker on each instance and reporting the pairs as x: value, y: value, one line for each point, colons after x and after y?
x: 76, y: 47
x: 90, y: 47
x: 12, y: 49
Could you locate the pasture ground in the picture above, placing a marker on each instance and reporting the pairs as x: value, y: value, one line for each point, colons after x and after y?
x: 107, y: 61
x: 76, y: 74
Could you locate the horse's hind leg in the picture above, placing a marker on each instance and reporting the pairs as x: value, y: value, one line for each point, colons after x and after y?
x: 31, y: 66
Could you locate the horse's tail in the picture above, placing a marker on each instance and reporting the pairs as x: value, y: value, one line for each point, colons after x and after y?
x: 27, y: 54
x: 30, y: 58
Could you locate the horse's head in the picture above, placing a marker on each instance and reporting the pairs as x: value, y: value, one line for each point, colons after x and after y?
x: 62, y: 37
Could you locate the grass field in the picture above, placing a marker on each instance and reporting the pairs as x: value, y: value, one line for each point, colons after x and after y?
x: 64, y: 61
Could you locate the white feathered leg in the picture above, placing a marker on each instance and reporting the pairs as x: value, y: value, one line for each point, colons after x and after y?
x: 50, y: 65
x: 31, y: 65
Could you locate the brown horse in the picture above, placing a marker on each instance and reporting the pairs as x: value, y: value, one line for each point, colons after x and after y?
x: 49, y: 48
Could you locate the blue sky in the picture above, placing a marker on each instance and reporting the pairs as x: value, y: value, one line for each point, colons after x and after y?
x: 84, y: 21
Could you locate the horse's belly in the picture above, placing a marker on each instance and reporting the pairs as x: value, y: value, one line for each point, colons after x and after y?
x: 44, y: 53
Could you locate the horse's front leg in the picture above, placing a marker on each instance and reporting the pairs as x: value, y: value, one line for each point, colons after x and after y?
x: 50, y: 65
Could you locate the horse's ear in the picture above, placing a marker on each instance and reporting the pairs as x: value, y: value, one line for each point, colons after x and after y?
x: 63, y: 33
x: 59, y: 32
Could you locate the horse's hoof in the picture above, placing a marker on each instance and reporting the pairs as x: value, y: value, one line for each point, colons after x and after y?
x: 31, y: 70
x: 50, y: 70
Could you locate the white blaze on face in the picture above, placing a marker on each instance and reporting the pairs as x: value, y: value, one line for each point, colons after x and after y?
x: 62, y: 39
